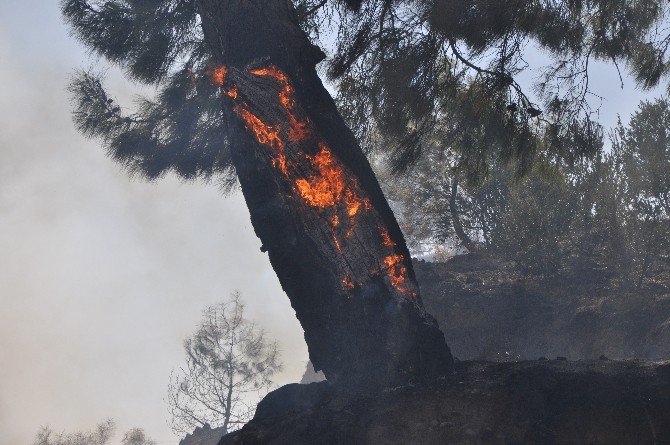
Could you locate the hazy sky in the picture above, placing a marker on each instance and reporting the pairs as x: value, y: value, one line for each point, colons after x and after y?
x: 101, y: 277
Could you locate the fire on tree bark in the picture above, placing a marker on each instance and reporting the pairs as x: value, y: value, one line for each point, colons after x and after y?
x: 315, y: 202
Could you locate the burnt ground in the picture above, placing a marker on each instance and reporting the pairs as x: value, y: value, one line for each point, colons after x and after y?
x: 539, y: 402
x: 507, y: 321
x: 489, y: 311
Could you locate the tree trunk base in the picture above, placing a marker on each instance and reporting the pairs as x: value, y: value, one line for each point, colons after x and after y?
x: 547, y: 402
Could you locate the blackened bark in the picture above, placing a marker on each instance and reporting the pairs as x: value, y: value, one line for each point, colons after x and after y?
x: 349, y: 277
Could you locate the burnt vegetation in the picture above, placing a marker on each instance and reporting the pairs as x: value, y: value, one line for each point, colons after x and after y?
x: 473, y: 159
x: 295, y: 225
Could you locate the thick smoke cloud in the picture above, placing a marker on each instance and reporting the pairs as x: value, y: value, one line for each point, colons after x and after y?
x: 101, y: 277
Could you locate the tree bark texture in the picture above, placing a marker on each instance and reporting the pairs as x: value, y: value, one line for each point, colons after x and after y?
x: 315, y: 202
x: 456, y: 218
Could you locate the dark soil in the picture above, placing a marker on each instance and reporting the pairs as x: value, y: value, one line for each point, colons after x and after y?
x: 488, y: 311
x: 541, y: 402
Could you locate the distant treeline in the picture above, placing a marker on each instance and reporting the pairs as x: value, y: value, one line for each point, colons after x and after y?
x: 601, y: 218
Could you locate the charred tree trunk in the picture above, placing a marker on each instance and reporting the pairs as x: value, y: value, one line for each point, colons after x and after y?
x: 315, y: 203
x: 456, y: 219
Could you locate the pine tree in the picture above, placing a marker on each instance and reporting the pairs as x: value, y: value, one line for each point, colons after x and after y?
x: 238, y: 98
x: 407, y: 70
x: 238, y: 92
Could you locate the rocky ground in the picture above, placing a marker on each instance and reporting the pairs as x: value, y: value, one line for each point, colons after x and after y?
x: 539, y: 402
x: 204, y: 435
x: 490, y: 312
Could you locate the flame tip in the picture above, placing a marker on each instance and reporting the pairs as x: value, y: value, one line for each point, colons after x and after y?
x: 329, y: 186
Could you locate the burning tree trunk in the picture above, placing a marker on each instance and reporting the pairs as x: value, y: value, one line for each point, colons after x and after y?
x: 315, y: 202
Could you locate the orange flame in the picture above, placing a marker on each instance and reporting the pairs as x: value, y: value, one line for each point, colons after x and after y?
x: 346, y: 281
x: 386, y: 237
x: 337, y: 243
x: 326, y: 188
x: 397, y: 272
x: 299, y: 130
x: 265, y: 135
x: 329, y: 186
x: 217, y: 75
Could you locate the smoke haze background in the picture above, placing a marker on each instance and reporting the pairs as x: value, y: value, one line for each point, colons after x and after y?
x: 103, y: 276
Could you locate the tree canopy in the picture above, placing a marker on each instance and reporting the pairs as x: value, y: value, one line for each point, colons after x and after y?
x: 229, y: 362
x: 604, y: 219
x: 406, y: 70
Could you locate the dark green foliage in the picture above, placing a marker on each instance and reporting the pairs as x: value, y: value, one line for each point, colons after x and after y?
x: 160, y: 43
x: 641, y: 161
x: 403, y: 64
x: 434, y: 197
x: 605, y: 219
x: 538, y: 216
x: 146, y: 37
x: 642, y: 151
x: 182, y: 130
x: 408, y: 72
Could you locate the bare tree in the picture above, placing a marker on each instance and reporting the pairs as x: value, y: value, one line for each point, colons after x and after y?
x: 100, y: 436
x: 137, y: 436
x: 229, y: 365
